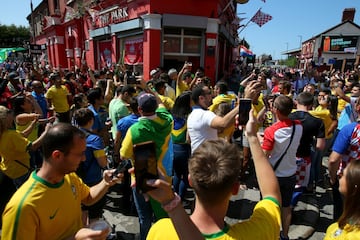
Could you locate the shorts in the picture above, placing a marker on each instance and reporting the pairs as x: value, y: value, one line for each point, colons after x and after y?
x: 287, y: 187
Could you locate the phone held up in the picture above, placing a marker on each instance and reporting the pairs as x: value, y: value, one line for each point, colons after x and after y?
x: 145, y: 164
x: 244, y: 109
x: 122, y: 167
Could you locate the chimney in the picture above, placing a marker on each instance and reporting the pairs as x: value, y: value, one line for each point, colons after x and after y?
x: 348, y: 14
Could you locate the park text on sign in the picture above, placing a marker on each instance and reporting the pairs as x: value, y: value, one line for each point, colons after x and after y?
x: 113, y: 16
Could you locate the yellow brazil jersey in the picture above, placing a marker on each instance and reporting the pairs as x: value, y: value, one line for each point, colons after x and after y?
x: 42, y: 210
x: 58, y: 96
x: 13, y: 146
x: 181, y: 87
x: 348, y: 233
x: 324, y: 115
x: 263, y: 224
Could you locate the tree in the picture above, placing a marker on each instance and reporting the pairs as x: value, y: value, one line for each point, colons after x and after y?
x: 13, y: 36
x: 290, y: 61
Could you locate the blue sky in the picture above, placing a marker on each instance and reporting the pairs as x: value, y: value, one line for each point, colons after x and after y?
x: 292, y: 21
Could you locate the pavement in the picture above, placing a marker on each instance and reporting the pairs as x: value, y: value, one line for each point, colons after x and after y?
x: 311, y: 215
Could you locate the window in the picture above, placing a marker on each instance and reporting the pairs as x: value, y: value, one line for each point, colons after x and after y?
x: 178, y: 41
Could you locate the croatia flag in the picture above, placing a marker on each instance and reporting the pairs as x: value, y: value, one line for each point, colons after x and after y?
x: 244, y: 52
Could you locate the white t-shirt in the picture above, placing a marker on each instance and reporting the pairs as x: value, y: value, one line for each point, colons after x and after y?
x: 198, y: 124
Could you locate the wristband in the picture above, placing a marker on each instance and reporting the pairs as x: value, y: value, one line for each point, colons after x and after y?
x: 168, y: 207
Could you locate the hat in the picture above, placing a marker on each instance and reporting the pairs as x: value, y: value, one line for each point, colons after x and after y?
x: 153, y: 72
x: 13, y: 75
x: 147, y: 102
x: 54, y: 75
x: 171, y: 71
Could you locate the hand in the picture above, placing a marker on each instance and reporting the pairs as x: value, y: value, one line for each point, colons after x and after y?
x: 89, y: 234
x: 163, y: 192
x: 251, y: 128
x: 51, y: 119
x: 109, y: 179
x: 252, y: 90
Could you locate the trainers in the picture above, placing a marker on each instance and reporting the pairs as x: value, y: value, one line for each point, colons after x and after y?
x: 282, y: 237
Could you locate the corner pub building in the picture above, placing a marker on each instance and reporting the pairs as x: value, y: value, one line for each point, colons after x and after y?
x: 142, y: 33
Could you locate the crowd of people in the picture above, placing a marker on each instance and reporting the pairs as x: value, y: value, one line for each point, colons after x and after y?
x: 63, y: 133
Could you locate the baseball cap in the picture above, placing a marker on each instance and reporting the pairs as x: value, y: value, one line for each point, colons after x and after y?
x: 147, y: 102
x: 171, y: 71
x: 153, y: 72
x: 13, y: 75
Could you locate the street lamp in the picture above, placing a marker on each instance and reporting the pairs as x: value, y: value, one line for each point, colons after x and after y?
x: 300, y: 36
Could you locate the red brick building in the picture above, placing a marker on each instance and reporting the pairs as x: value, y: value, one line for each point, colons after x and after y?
x: 144, y: 34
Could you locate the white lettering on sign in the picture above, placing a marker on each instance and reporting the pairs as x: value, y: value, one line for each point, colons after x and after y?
x: 119, y: 13
x: 113, y: 16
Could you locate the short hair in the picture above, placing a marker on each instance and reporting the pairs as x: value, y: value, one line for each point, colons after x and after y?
x: 186, y: 75
x: 94, y: 94
x: 83, y: 116
x: 223, y: 87
x: 327, y: 91
x: 356, y: 85
x: 60, y: 137
x: 17, y: 103
x: 78, y: 99
x: 197, y: 92
x: 134, y: 105
x: 128, y: 89
x: 305, y: 98
x: 214, y: 167
x: 286, y: 85
x: 284, y: 104
x: 158, y: 84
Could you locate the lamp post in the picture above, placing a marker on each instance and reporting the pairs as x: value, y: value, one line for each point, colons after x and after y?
x: 287, y: 49
x: 300, y: 36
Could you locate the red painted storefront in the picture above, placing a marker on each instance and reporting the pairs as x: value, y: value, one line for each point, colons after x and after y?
x: 142, y: 34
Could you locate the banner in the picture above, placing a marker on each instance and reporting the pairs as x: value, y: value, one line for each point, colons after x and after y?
x: 105, y: 53
x: 133, y: 51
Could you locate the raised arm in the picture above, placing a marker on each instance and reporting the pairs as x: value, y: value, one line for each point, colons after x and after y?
x: 267, y: 180
x: 164, y: 194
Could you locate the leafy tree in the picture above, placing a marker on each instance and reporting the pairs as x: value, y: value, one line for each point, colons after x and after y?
x: 13, y: 36
x: 290, y: 62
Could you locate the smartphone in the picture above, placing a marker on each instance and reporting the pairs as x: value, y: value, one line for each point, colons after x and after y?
x: 122, y: 167
x: 145, y: 164
x: 244, y: 109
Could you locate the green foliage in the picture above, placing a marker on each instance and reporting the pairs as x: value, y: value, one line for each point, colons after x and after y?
x: 13, y: 36
x: 290, y: 62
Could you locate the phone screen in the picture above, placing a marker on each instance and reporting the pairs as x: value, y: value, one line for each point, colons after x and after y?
x: 244, y: 109
x: 145, y: 165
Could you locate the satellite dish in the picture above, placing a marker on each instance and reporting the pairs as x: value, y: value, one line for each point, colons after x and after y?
x: 242, y: 1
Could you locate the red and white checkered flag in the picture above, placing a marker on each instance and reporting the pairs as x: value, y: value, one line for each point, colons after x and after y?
x: 261, y: 18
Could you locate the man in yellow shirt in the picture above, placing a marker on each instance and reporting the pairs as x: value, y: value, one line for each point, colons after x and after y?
x: 58, y: 97
x: 48, y: 204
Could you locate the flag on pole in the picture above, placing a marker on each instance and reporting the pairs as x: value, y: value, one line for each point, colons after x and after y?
x: 244, y: 52
x: 261, y: 18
